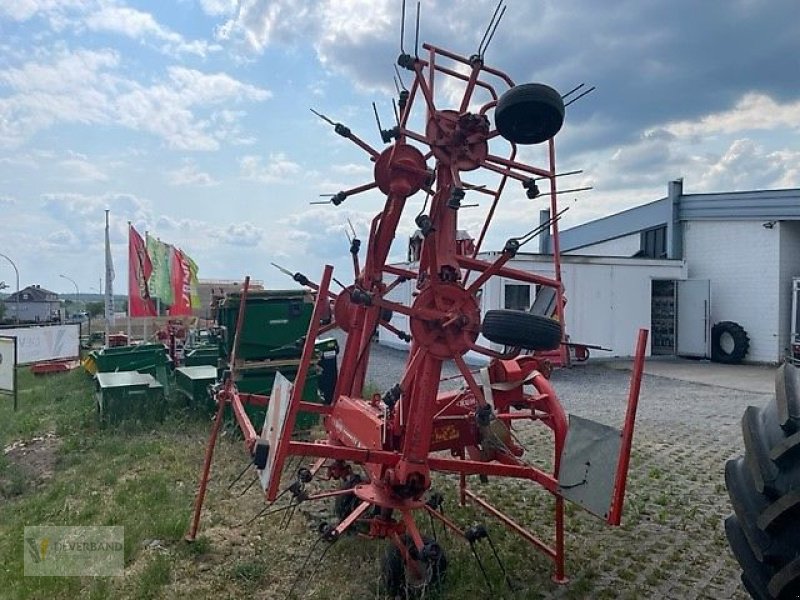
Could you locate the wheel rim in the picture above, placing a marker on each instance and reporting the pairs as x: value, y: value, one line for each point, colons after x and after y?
x: 726, y: 342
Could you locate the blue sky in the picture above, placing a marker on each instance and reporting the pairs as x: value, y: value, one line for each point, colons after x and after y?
x: 190, y: 118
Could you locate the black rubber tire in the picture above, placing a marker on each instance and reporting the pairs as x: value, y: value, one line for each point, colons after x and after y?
x: 521, y: 329
x: 530, y: 113
x: 394, y: 570
x: 741, y: 343
x: 764, y: 488
x: 347, y: 503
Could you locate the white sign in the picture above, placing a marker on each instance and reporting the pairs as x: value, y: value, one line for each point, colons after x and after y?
x: 8, y: 361
x: 38, y: 344
x: 274, y: 424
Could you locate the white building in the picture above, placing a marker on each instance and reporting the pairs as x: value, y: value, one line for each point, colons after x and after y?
x: 604, y: 297
x: 676, y: 266
x: 745, y: 245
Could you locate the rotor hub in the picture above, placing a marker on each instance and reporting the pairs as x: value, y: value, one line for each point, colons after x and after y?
x: 458, y: 327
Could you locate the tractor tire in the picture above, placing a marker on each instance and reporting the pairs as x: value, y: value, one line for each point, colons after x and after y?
x: 400, y: 583
x: 740, y: 343
x: 764, y: 488
x: 530, y: 113
x: 521, y: 329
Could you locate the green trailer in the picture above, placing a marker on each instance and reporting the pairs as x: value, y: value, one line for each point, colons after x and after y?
x: 193, y: 383
x: 151, y: 359
x: 274, y: 324
x: 128, y: 394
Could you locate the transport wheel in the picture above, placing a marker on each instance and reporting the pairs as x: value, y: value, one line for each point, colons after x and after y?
x: 521, y: 329
x: 764, y: 488
x: 530, y: 113
x: 729, y: 343
x: 403, y: 581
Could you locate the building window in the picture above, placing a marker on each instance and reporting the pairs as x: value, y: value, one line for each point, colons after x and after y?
x: 654, y: 243
x: 517, y: 297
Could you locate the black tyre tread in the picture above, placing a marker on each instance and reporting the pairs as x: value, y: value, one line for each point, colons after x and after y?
x: 394, y: 569
x: 786, y: 582
x: 786, y: 450
x: 536, y: 99
x: 779, y: 511
x: 758, y: 573
x: 787, y: 394
x: 747, y: 507
x: 764, y: 488
x: 771, y: 539
x: 741, y: 343
x: 347, y: 503
x: 521, y: 329
x: 762, y: 469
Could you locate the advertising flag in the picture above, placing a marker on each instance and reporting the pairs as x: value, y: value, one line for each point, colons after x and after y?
x: 160, y: 280
x: 184, y: 284
x: 140, y: 304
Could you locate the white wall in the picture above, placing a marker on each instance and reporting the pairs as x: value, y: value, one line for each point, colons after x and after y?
x: 789, y: 266
x: 741, y: 260
x: 622, y: 246
x: 608, y: 299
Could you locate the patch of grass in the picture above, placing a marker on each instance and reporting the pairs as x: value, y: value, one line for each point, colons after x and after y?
x: 250, y: 572
x: 154, y: 577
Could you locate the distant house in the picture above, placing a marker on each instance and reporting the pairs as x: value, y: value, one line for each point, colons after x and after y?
x: 36, y: 304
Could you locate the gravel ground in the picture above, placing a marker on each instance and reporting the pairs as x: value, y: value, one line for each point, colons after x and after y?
x: 671, y: 544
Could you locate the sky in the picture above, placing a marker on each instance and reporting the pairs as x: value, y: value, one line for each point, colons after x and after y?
x: 190, y: 118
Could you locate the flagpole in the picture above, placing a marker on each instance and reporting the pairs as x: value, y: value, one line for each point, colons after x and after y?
x: 130, y: 340
x: 146, y: 319
x: 109, y: 295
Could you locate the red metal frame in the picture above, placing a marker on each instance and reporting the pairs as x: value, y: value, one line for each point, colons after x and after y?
x: 398, y: 442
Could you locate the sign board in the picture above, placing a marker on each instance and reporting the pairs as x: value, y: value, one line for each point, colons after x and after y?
x: 39, y: 344
x: 8, y: 362
x: 274, y: 424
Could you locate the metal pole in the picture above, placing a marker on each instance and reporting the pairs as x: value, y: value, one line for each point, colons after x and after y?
x: 77, y: 293
x: 16, y: 271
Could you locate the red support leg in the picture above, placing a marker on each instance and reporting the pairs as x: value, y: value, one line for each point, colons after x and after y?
x: 201, y: 491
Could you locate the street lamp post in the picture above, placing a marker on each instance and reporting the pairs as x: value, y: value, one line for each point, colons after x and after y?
x: 16, y: 271
x: 77, y: 292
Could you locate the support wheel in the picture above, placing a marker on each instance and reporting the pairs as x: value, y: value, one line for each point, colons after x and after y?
x: 521, y: 329
x: 530, y: 113
x: 729, y: 343
x: 764, y: 488
x: 413, y: 580
x: 347, y: 503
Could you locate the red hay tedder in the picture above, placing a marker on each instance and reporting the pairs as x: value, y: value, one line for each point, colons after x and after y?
x: 398, y: 438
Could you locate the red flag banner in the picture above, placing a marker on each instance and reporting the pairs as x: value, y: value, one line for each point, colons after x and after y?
x: 181, y: 275
x: 139, y: 269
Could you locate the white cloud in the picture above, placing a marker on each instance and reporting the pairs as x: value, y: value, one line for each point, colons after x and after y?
x: 753, y: 111
x: 86, y: 87
x: 352, y: 169
x: 239, y: 234
x: 217, y: 8
x: 141, y: 25
x: 7, y: 200
x: 190, y: 175
x: 78, y: 169
x: 277, y: 168
x: 748, y: 165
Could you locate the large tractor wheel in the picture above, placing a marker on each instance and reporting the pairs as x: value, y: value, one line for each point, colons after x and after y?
x: 521, y: 329
x: 764, y: 488
x: 729, y: 343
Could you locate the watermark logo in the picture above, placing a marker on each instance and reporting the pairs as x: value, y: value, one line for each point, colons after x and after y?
x: 37, y: 549
x: 74, y: 551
